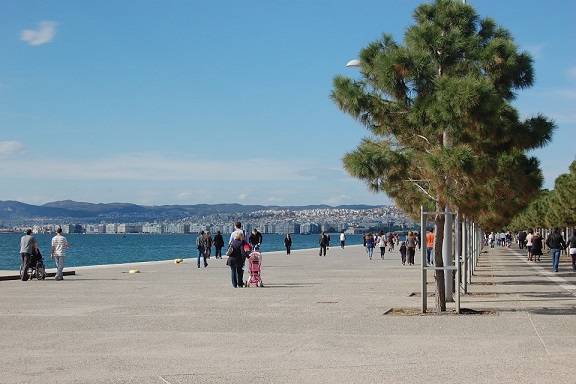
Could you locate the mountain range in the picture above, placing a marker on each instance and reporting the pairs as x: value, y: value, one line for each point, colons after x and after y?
x: 13, y: 211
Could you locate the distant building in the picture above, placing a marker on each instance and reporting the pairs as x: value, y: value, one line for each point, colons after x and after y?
x: 111, y: 228
x: 129, y: 228
x: 152, y: 228
x: 309, y: 228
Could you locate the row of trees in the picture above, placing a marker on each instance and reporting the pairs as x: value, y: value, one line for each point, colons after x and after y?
x: 443, y: 131
x: 556, y: 208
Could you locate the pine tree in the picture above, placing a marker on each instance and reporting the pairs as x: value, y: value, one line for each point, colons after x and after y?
x: 443, y: 130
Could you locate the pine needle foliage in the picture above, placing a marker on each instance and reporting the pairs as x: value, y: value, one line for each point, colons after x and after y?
x: 454, y: 75
x: 443, y: 131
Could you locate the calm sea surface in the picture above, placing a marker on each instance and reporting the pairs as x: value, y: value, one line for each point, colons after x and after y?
x: 118, y: 249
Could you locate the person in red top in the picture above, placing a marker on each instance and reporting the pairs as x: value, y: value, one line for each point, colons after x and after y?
x: 430, y: 247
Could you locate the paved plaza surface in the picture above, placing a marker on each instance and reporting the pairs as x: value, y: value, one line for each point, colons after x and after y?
x: 317, y: 320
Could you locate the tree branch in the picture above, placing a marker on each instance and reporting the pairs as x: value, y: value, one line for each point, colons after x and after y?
x: 422, y: 189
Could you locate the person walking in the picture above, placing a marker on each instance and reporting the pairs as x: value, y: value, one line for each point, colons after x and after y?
x: 502, y: 239
x: 288, y: 243
x: 342, y: 240
x: 536, y: 246
x: 381, y: 242
x: 411, y: 247
x: 255, y: 239
x: 201, y: 247
x: 430, y: 247
x: 403, y: 253
x: 209, y: 243
x: 508, y: 239
x: 522, y: 239
x: 59, y: 245
x: 323, y: 241
x: 218, y: 244
x: 369, y: 245
x: 555, y: 242
x: 529, y: 240
x: 572, y: 251
x: 492, y: 239
x: 27, y: 246
x: 391, y: 241
x: 236, y: 260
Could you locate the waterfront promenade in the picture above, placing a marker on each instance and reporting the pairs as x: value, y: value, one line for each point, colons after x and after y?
x: 317, y: 320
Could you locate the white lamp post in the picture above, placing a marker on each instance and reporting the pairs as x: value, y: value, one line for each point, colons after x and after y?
x: 353, y: 63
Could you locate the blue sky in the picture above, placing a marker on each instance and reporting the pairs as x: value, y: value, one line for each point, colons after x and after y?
x: 212, y: 101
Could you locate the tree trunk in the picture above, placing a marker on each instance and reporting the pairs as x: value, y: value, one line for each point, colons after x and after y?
x: 438, y: 262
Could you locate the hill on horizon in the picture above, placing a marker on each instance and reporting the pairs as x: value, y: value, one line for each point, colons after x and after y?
x: 97, y: 212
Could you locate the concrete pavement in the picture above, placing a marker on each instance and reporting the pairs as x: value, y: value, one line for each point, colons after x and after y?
x: 317, y: 320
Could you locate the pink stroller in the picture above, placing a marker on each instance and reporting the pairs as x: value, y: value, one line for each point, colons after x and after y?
x: 254, y: 269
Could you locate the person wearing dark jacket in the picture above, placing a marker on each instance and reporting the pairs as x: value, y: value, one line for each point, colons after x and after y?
x: 255, y: 239
x: 522, y: 239
x: 236, y: 260
x: 572, y: 245
x: 288, y: 243
x: 537, y: 246
x: 555, y: 242
x: 323, y: 242
x: 201, y: 247
x: 218, y: 244
x: 209, y: 244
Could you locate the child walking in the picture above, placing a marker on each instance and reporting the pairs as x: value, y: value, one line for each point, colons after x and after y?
x: 403, y: 252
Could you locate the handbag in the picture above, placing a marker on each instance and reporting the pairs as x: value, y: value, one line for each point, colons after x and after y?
x: 230, y: 250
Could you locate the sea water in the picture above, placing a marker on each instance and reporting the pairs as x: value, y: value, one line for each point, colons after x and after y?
x: 104, y: 249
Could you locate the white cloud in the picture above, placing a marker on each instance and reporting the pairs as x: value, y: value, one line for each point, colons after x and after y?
x: 337, y: 200
x: 153, y: 166
x: 43, y: 34
x: 153, y: 178
x: 321, y: 173
x: 10, y: 149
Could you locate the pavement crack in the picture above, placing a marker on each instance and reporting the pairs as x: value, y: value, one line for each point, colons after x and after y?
x: 300, y: 346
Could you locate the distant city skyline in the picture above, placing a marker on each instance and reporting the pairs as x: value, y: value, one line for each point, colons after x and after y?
x: 161, y: 103
x: 267, y: 221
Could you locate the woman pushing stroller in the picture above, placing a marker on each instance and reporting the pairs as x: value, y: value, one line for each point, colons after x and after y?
x: 236, y: 259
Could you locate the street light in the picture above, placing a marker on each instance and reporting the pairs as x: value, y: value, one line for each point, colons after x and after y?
x: 353, y: 63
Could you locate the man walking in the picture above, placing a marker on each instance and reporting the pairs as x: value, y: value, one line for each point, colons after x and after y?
x: 59, y: 245
x: 27, y: 246
x: 201, y: 247
x: 323, y: 244
x: 430, y: 247
x: 555, y: 242
x: 522, y: 239
x: 218, y: 244
x: 209, y: 241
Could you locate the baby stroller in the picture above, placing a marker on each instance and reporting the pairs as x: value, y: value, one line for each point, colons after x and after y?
x: 36, y: 267
x: 254, y: 269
